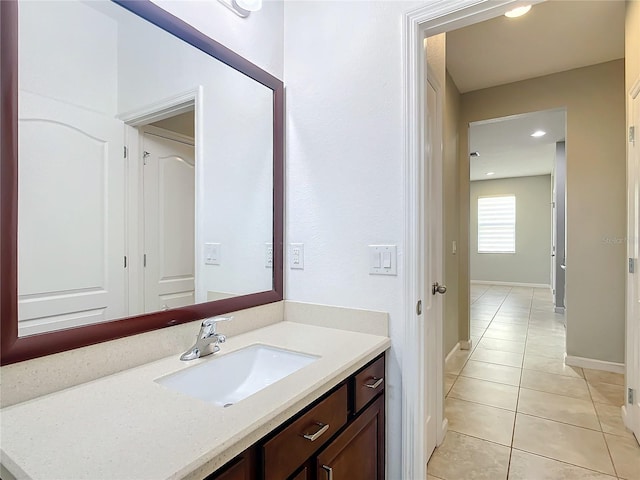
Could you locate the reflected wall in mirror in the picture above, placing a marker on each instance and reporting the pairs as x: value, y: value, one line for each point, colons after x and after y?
x: 149, y: 173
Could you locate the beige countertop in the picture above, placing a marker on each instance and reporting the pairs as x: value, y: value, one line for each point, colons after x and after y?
x: 127, y: 426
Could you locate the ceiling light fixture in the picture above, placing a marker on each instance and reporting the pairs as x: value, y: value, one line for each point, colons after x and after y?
x: 488, y: 174
x: 538, y: 133
x: 242, y: 8
x: 518, y: 12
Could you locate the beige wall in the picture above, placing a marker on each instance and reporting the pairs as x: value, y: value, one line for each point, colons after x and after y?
x: 596, y: 186
x: 450, y: 211
x: 532, y: 261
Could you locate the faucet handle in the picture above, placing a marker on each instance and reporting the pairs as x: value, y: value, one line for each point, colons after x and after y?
x: 209, y: 324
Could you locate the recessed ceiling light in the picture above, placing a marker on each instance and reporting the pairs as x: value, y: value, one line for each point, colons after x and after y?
x: 518, y: 12
x: 538, y: 133
x: 488, y: 174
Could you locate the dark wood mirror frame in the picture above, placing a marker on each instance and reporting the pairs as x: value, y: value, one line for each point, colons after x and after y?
x: 16, y: 349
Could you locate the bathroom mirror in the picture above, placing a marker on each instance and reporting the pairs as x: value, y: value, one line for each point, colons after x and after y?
x: 142, y: 175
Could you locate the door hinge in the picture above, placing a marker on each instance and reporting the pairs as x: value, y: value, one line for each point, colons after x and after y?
x: 125, y: 261
x: 630, y: 396
x: 144, y: 260
x: 632, y: 135
x: 632, y: 265
x: 125, y: 151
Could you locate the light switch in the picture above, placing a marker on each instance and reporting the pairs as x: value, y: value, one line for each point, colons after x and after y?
x: 383, y: 260
x: 296, y: 256
x: 268, y: 255
x: 212, y: 253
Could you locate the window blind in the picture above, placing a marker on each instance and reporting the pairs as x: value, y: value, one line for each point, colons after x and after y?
x: 497, y: 224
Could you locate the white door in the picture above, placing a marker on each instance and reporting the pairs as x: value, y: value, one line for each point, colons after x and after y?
x: 633, y: 279
x: 169, y: 228
x: 71, y: 216
x: 432, y: 261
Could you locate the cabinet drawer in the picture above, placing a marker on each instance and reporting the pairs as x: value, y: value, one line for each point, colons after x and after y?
x: 289, y: 449
x: 368, y: 383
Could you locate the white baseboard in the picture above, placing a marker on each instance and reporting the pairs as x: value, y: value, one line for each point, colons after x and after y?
x: 510, y: 284
x: 559, y: 309
x: 466, y: 344
x: 455, y: 348
x: 594, y: 364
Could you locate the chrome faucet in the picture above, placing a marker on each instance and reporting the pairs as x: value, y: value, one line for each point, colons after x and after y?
x: 208, y: 340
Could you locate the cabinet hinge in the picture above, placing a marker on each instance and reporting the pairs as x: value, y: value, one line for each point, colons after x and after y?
x: 144, y: 260
x: 125, y: 261
x: 630, y: 396
x: 632, y: 135
x: 632, y: 265
x: 144, y: 157
x: 125, y: 151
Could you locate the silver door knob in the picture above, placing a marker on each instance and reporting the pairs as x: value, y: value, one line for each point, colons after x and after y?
x: 437, y: 288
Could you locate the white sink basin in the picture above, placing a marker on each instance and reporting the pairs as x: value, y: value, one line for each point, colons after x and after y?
x: 226, y: 379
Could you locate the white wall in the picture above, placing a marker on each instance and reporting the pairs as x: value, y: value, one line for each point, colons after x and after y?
x: 343, y: 74
x: 532, y: 261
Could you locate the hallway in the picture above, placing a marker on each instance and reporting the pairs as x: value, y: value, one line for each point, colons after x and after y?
x: 516, y: 411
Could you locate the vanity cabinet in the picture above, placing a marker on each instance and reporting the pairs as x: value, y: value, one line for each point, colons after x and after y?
x: 340, y: 436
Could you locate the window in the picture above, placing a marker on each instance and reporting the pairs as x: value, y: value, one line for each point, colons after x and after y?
x: 497, y: 224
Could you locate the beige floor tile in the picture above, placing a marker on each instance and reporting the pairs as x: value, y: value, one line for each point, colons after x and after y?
x: 501, y: 345
x: 475, y: 340
x: 480, y: 323
x: 511, y: 320
x: 480, y: 421
x: 546, y: 340
x: 495, y: 356
x: 611, y: 420
x: 600, y: 376
x: 511, y: 336
x: 540, y: 331
x: 558, y: 384
x: 550, y: 365
x: 626, y: 456
x: 607, y: 393
x: 575, y: 445
x: 551, y: 351
x: 488, y: 393
x: 492, y: 372
x: 449, y: 380
x: 559, y: 408
x: 456, y: 361
x: 463, y: 457
x: 527, y: 466
x: 431, y: 477
x: 508, y: 327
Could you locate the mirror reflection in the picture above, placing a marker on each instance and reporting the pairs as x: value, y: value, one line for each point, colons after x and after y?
x: 145, y: 170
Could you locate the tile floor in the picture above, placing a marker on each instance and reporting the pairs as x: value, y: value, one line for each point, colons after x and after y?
x: 516, y: 411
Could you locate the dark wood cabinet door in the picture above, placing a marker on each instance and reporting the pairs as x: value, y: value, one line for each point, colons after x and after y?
x: 240, y: 468
x: 358, y: 452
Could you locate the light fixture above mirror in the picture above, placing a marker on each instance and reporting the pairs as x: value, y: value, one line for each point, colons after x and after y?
x: 242, y: 8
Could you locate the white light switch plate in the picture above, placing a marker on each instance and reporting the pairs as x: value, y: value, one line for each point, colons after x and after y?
x: 268, y: 255
x: 212, y: 253
x: 383, y: 260
x: 296, y: 256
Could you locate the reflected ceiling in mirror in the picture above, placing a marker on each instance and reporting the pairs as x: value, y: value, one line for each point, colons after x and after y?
x: 149, y: 173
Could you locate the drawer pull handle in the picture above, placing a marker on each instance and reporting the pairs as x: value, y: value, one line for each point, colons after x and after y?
x: 375, y: 383
x: 329, y: 471
x: 314, y: 436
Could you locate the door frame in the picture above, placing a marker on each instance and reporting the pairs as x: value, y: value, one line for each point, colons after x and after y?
x: 135, y: 119
x: 630, y: 416
x: 431, y: 19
